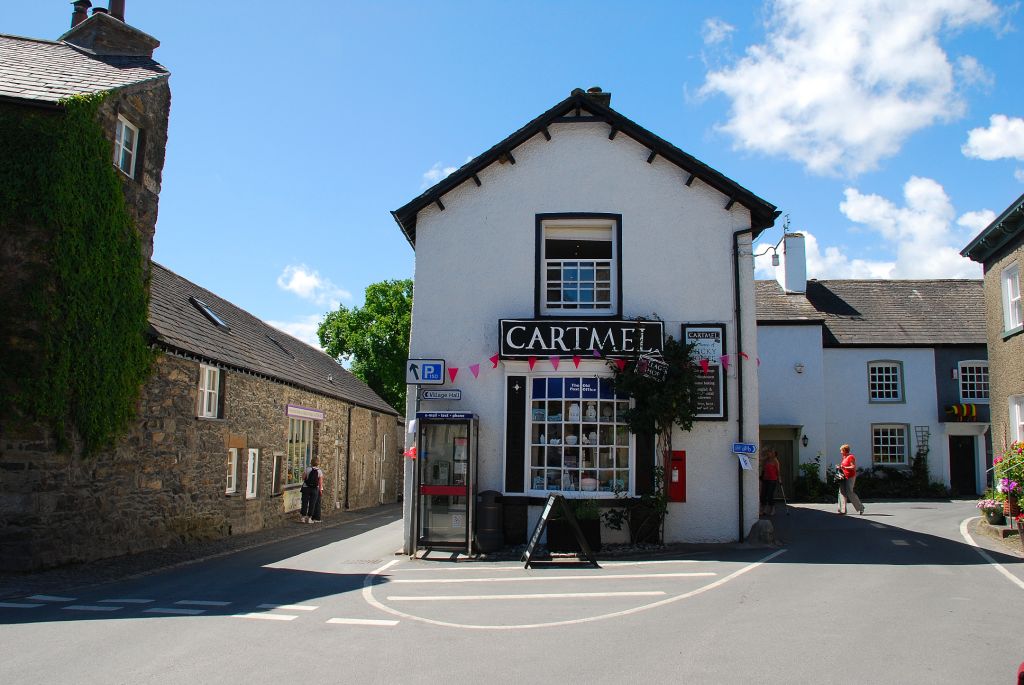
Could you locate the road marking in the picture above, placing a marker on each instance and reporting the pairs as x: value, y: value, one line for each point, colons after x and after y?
x: 548, y: 595
x: 52, y: 598
x: 466, y: 566
x: 921, y: 542
x: 289, y: 607
x: 362, y: 622
x: 268, y: 617
x: 127, y: 601
x: 177, y: 612
x: 876, y: 525
x: 18, y: 605
x: 201, y: 603
x: 901, y: 543
x: 985, y: 555
x: 617, y: 576
x: 89, y: 607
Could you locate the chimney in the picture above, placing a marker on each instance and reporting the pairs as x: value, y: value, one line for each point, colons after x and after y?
x: 117, y: 9
x: 599, y: 95
x: 794, y: 279
x: 80, y: 13
x: 99, y: 10
x: 105, y: 33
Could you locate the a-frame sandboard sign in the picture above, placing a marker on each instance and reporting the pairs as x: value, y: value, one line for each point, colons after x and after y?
x: 542, y: 523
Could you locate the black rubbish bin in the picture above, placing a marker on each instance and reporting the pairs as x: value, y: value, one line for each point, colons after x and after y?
x: 490, y: 534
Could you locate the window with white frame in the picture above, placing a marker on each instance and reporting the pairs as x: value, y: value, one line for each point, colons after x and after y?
x: 232, y: 478
x: 974, y: 382
x: 209, y: 391
x: 300, y: 450
x: 885, y: 381
x: 126, y: 143
x: 889, y: 444
x: 578, y: 435
x: 252, y: 473
x: 579, y: 266
x: 1013, y: 316
x: 1017, y: 418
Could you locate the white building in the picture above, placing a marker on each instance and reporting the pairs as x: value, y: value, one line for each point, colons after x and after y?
x: 884, y: 365
x: 549, y: 246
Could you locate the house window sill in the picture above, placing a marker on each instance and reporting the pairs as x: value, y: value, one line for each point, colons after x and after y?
x: 1013, y: 332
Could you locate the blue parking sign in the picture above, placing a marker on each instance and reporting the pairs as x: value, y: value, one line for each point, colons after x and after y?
x: 424, y: 372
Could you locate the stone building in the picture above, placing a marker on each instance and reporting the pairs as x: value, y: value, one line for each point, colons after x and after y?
x: 1000, y: 250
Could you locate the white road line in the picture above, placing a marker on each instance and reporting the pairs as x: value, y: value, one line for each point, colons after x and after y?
x: 362, y: 622
x: 201, y: 603
x: 549, y: 595
x: 876, y: 525
x: 921, y: 542
x: 176, y: 612
x: 901, y: 543
x: 18, y: 605
x: 52, y: 598
x: 268, y: 617
x: 289, y: 607
x: 127, y: 601
x: 986, y: 556
x: 89, y: 607
x: 485, y: 566
x: 617, y: 576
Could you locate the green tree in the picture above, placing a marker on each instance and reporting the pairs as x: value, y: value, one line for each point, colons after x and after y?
x: 374, y: 337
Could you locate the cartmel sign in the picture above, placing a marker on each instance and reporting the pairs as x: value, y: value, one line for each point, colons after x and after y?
x: 525, y: 338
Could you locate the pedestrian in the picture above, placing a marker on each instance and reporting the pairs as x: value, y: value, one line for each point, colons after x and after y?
x: 769, y: 481
x: 849, y: 469
x: 312, y: 491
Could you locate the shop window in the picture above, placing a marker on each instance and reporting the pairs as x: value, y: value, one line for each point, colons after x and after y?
x: 974, y: 382
x: 252, y: 473
x: 211, y: 392
x: 889, y: 445
x: 300, y: 450
x: 231, y: 486
x: 1013, y: 316
x: 1017, y: 418
x: 126, y: 144
x: 885, y: 381
x: 578, y: 438
x: 578, y: 270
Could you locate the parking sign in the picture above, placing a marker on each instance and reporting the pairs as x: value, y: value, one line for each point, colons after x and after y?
x: 424, y: 372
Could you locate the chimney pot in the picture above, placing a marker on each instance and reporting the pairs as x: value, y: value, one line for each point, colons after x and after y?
x: 100, y: 10
x: 117, y: 9
x: 80, y: 13
x: 795, y: 270
x: 594, y: 89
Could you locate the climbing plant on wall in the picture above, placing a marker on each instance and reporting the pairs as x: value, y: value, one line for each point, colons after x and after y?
x: 76, y: 353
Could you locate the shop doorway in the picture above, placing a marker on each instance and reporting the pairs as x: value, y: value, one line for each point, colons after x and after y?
x: 963, y: 477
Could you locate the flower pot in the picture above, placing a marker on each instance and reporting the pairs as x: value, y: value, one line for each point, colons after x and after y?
x: 995, y: 517
x: 1010, y: 507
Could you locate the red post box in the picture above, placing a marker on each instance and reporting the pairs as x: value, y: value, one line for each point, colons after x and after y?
x: 677, y: 477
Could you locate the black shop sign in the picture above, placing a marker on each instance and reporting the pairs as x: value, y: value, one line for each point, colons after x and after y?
x: 524, y: 338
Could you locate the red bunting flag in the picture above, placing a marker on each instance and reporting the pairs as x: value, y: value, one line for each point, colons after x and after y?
x: 411, y: 452
x: 494, y: 362
x: 704, y: 364
x: 554, y: 362
x: 725, y: 361
x: 453, y: 371
x: 745, y: 356
x: 533, y: 360
x: 576, y: 360
x: 621, y: 363
x: 475, y: 370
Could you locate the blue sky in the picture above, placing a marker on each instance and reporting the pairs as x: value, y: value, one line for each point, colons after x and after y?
x: 890, y: 132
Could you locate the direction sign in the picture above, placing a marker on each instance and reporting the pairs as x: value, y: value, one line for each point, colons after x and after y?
x: 744, y: 447
x: 424, y: 372
x: 454, y: 394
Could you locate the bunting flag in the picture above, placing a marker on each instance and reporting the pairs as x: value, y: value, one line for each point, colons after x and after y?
x: 533, y: 360
x: 597, y: 353
x: 704, y: 365
x: 453, y: 371
x: 494, y: 362
x: 725, y: 361
x: 621, y: 363
x: 759, y: 361
x: 576, y: 360
x: 554, y: 362
x: 475, y: 370
x: 745, y: 356
x: 411, y: 452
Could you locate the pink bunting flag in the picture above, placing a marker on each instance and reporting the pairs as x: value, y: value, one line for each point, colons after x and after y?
x: 725, y: 361
x: 533, y: 360
x: 759, y: 361
x: 554, y: 362
x: 704, y: 364
x: 745, y: 356
x: 494, y: 362
x: 475, y: 370
x: 453, y: 371
x: 576, y: 360
x: 411, y: 452
x: 621, y: 363
x: 597, y: 352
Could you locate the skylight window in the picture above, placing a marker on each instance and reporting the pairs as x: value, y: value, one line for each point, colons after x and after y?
x: 208, y: 313
x: 279, y: 345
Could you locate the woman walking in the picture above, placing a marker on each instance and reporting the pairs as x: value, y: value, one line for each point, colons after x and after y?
x: 849, y: 468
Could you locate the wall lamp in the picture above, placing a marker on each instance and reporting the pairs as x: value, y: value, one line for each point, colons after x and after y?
x: 775, y: 248
x: 804, y: 441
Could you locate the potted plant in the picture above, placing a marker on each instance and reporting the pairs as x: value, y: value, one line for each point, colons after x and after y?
x: 992, y: 510
x: 1009, y: 471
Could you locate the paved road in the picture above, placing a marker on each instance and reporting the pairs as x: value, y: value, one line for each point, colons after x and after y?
x: 895, y: 596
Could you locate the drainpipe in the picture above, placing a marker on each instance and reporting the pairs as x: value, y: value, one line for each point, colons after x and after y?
x: 348, y: 454
x: 739, y: 368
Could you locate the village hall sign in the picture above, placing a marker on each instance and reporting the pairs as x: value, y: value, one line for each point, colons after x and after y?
x: 524, y: 338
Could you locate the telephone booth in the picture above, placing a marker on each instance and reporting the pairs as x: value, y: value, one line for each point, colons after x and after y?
x: 445, y: 488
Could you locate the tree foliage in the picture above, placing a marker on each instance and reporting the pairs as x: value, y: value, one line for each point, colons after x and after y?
x: 374, y: 338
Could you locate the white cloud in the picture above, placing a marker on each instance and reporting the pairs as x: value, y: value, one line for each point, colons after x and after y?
x: 1003, y: 139
x: 1019, y: 175
x: 970, y: 72
x: 714, y: 31
x: 310, y: 285
x: 304, y: 329
x: 436, y: 173
x: 839, y: 85
x: 977, y: 221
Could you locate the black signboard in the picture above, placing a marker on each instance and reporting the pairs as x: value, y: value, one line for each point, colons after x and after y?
x: 524, y: 338
x: 708, y: 342
x: 652, y: 367
x: 542, y: 523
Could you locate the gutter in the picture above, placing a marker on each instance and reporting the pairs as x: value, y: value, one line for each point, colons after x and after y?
x: 738, y: 308
x: 348, y: 456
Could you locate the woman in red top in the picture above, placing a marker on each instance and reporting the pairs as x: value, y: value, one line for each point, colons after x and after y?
x: 769, y: 480
x: 849, y: 468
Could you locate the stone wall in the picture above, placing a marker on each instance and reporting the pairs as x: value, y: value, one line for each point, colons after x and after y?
x: 164, y: 482
x: 1005, y: 356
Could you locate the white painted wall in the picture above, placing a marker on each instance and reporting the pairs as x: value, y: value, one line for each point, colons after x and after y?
x: 475, y: 264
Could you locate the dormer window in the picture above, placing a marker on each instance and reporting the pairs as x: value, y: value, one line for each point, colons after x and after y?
x: 579, y: 266
x: 126, y: 143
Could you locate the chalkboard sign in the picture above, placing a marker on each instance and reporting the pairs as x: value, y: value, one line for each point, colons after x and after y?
x: 542, y: 523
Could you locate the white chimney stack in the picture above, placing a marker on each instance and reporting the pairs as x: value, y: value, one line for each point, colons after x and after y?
x: 795, y: 266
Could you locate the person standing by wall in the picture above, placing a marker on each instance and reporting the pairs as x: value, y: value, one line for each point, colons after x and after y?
x: 312, y: 491
x: 849, y: 468
x: 769, y: 481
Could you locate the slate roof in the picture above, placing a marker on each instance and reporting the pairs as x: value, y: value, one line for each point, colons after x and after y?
x: 1008, y: 227
x: 248, y: 344
x: 762, y: 213
x: 44, y: 71
x: 881, y: 313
